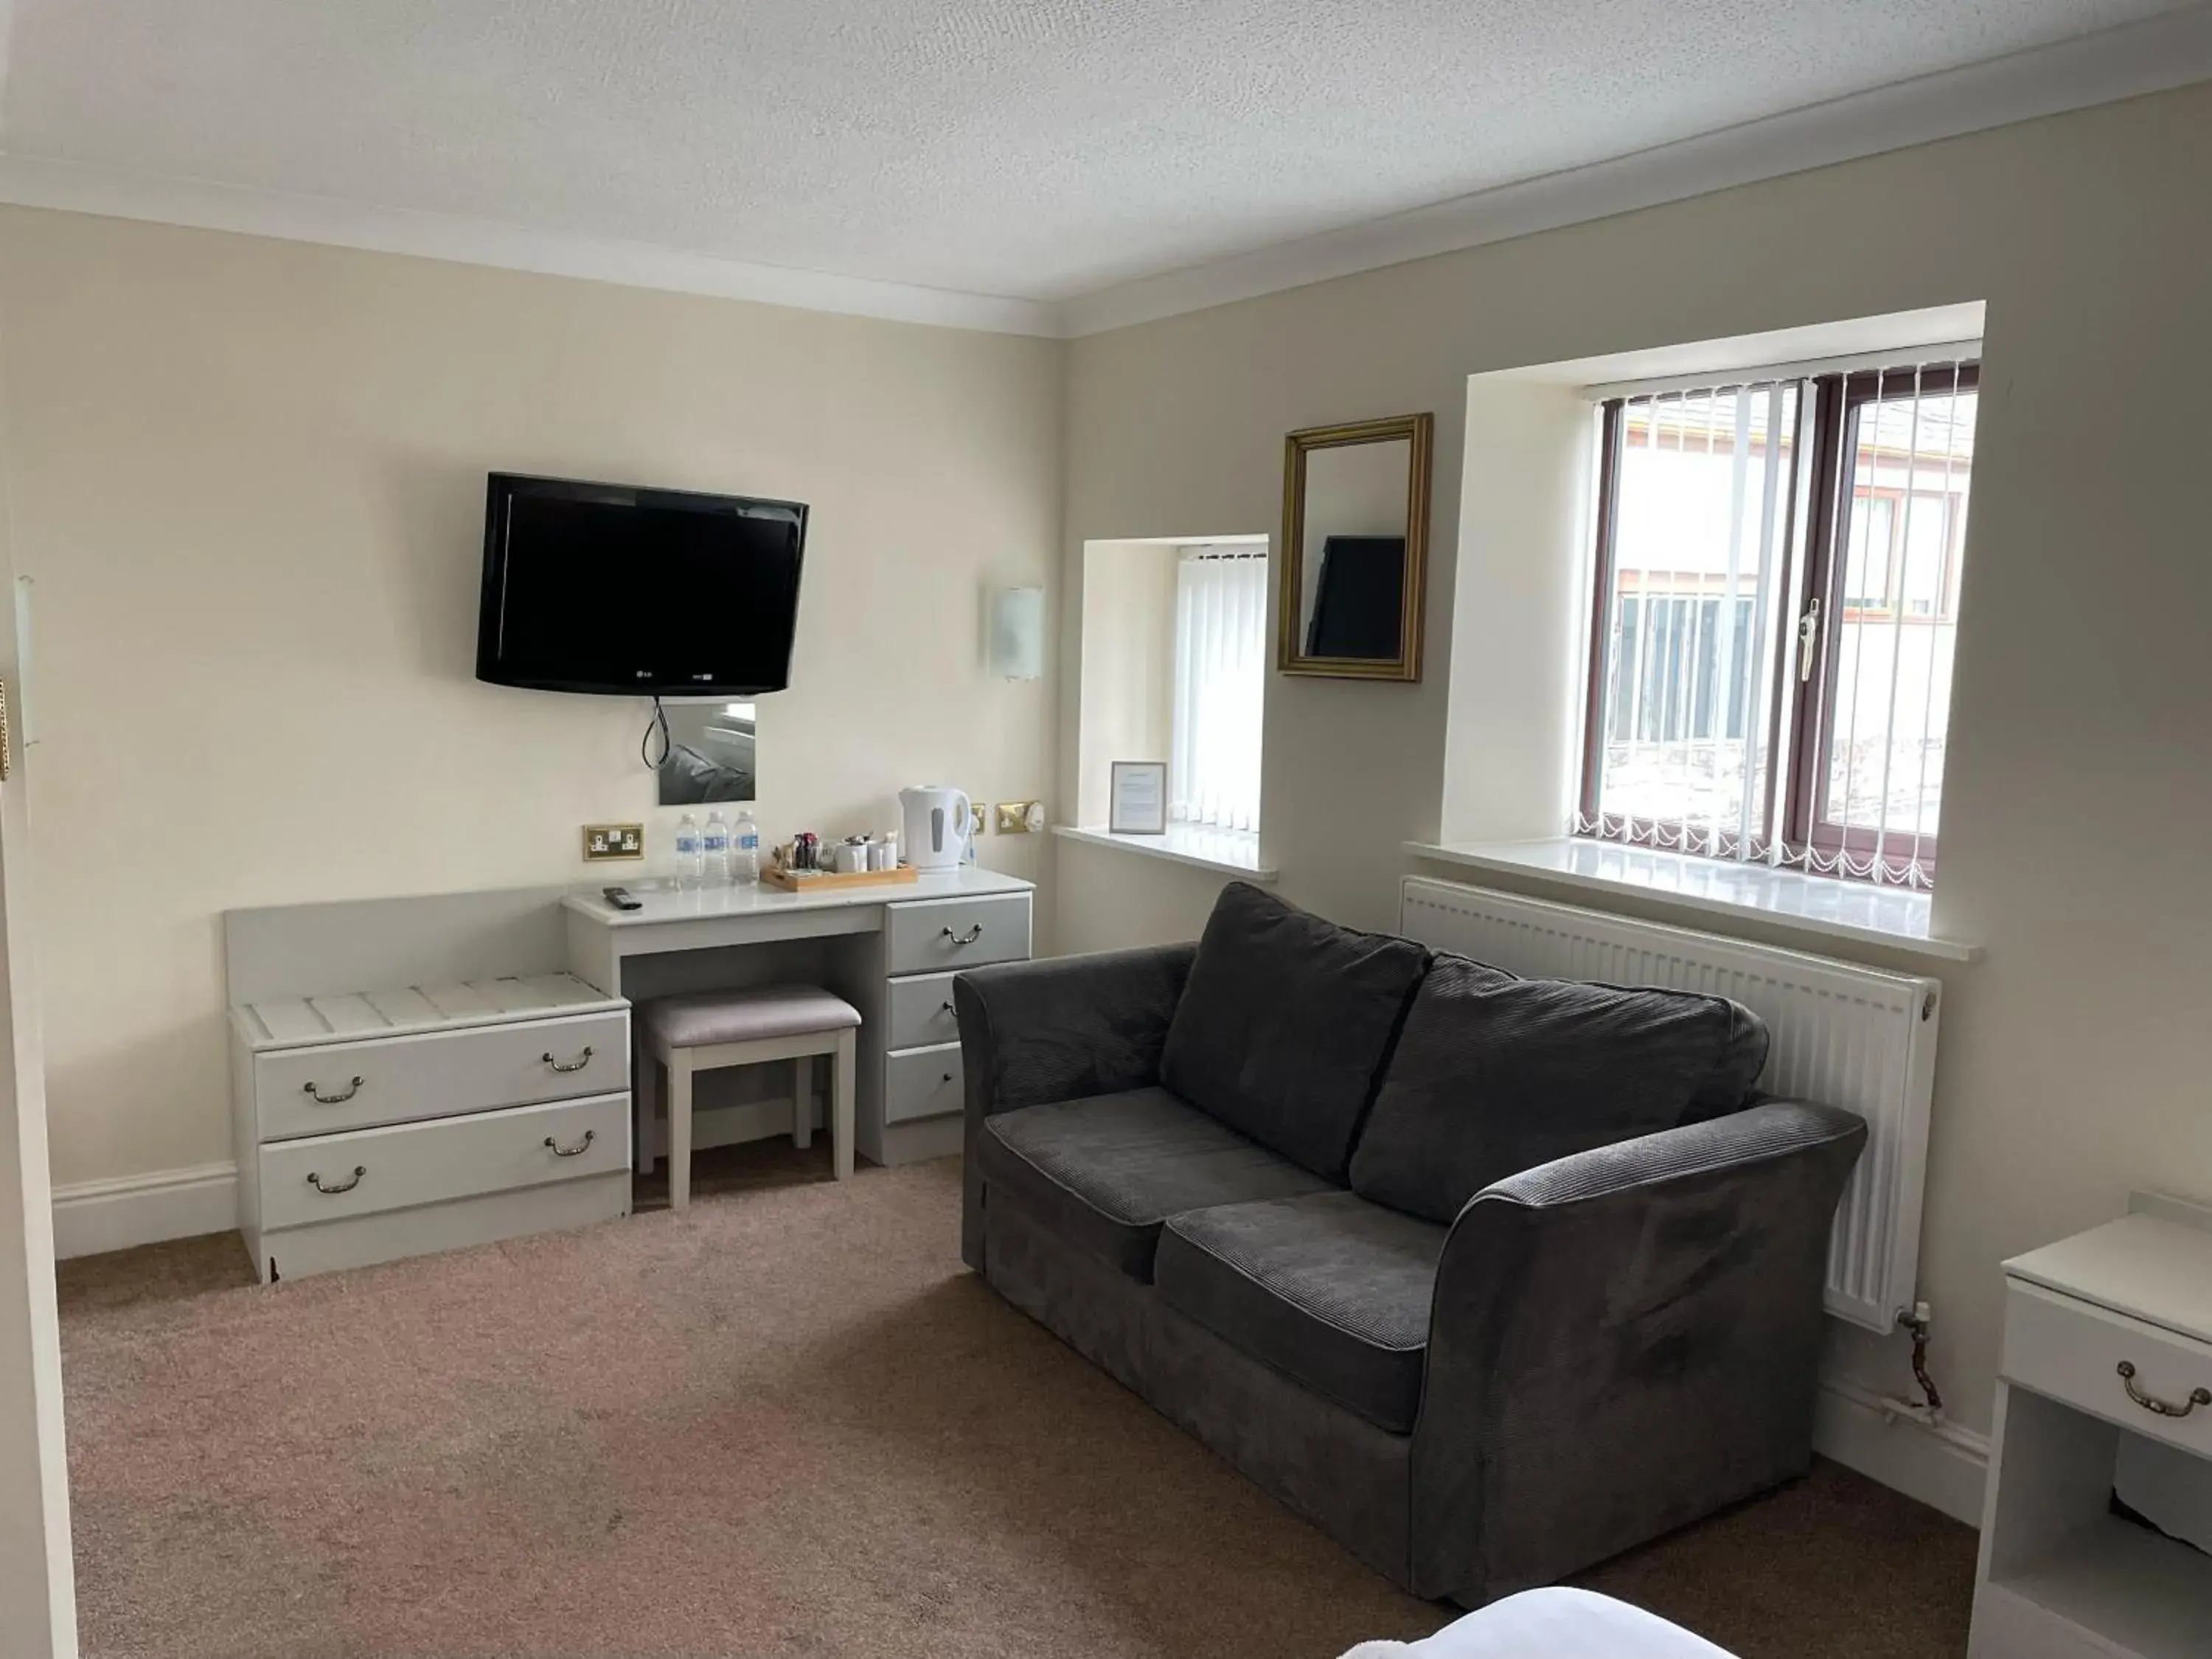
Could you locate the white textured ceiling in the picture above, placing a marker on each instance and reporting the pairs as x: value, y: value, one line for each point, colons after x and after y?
x: 1040, y: 148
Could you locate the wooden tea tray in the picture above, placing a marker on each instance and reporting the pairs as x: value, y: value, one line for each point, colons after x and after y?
x: 827, y: 881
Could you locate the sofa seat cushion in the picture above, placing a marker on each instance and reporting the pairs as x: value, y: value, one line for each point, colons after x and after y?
x: 1284, y: 1023
x: 1494, y: 1074
x: 1104, y: 1172
x: 1331, y: 1290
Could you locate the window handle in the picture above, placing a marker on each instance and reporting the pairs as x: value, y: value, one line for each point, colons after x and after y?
x: 1809, y: 639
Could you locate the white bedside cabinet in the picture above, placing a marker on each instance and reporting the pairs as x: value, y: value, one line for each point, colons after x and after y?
x: 2108, y: 1366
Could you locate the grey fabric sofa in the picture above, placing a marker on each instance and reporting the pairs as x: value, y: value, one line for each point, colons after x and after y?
x: 1488, y: 1279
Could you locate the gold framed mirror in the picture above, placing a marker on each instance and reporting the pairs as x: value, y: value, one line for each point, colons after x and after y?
x: 1353, y: 576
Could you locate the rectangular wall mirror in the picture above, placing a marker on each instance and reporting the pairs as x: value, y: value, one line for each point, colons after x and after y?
x: 710, y: 753
x: 1355, y: 533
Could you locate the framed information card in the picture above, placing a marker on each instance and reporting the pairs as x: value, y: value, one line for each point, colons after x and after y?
x: 1139, y: 803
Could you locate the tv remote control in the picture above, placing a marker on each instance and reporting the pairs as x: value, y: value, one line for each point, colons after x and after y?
x: 621, y: 899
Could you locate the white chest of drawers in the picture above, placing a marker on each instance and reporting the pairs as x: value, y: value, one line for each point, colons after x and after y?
x: 2105, y: 1383
x: 488, y: 1095
x: 926, y: 944
x: 441, y: 1112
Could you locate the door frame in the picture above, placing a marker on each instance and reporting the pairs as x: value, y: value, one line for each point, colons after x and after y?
x: 38, y: 1586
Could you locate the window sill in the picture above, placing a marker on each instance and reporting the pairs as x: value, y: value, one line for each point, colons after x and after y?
x: 1228, y: 852
x: 1818, y: 906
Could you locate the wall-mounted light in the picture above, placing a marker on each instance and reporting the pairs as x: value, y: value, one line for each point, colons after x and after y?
x: 1018, y: 632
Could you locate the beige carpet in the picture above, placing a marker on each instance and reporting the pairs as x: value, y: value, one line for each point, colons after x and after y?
x: 788, y: 1424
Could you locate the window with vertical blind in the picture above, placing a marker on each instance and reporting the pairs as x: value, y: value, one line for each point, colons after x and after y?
x: 1776, y: 600
x: 1220, y: 654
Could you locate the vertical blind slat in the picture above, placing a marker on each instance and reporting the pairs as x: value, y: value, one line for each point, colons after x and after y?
x: 1949, y: 532
x: 1902, y: 566
x: 1221, y: 602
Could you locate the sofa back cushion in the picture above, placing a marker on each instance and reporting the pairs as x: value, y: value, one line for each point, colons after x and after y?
x: 1495, y: 1074
x: 1284, y: 1025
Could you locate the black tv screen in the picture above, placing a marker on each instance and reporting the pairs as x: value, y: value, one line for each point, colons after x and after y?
x: 1359, y: 598
x: 657, y: 592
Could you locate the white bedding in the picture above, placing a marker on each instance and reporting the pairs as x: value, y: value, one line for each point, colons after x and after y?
x: 1551, y: 1624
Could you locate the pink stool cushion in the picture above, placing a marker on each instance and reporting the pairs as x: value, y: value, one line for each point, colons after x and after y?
x: 710, y: 1018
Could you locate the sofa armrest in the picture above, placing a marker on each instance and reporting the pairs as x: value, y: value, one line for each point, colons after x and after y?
x: 1059, y: 1029
x: 1624, y: 1340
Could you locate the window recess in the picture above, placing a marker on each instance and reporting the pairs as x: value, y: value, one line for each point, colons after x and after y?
x: 1220, y: 657
x: 1775, y: 605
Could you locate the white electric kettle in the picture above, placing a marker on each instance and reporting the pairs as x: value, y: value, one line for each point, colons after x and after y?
x: 937, y: 826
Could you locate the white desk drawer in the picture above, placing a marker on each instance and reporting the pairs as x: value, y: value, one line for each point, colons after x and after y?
x: 329, y: 1087
x: 921, y: 1012
x: 920, y: 1083
x: 329, y: 1177
x: 2072, y: 1351
x: 956, y: 933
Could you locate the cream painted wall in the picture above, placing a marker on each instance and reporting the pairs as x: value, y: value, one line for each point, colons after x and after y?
x: 1097, y: 902
x: 2076, y: 1054
x: 1127, y: 665
x: 1525, y: 503
x: 248, y: 480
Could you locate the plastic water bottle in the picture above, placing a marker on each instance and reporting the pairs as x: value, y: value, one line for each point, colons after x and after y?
x: 714, y: 850
x: 745, y: 850
x: 690, y: 869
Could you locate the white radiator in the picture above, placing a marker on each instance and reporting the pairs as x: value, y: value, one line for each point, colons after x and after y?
x: 1850, y: 1036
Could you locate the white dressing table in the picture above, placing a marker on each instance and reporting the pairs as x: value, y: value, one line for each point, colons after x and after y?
x: 415, y: 1074
x: 890, y: 951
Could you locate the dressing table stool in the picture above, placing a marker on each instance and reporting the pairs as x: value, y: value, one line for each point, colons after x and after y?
x: 716, y: 1029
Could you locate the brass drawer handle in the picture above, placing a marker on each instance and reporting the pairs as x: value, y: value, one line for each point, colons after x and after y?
x: 577, y: 1064
x: 316, y: 1181
x: 576, y: 1151
x: 968, y: 938
x: 2152, y: 1403
x: 322, y: 1099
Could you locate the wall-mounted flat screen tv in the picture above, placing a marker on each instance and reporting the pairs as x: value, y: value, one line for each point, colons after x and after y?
x: 1360, y: 598
x: 652, y: 592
